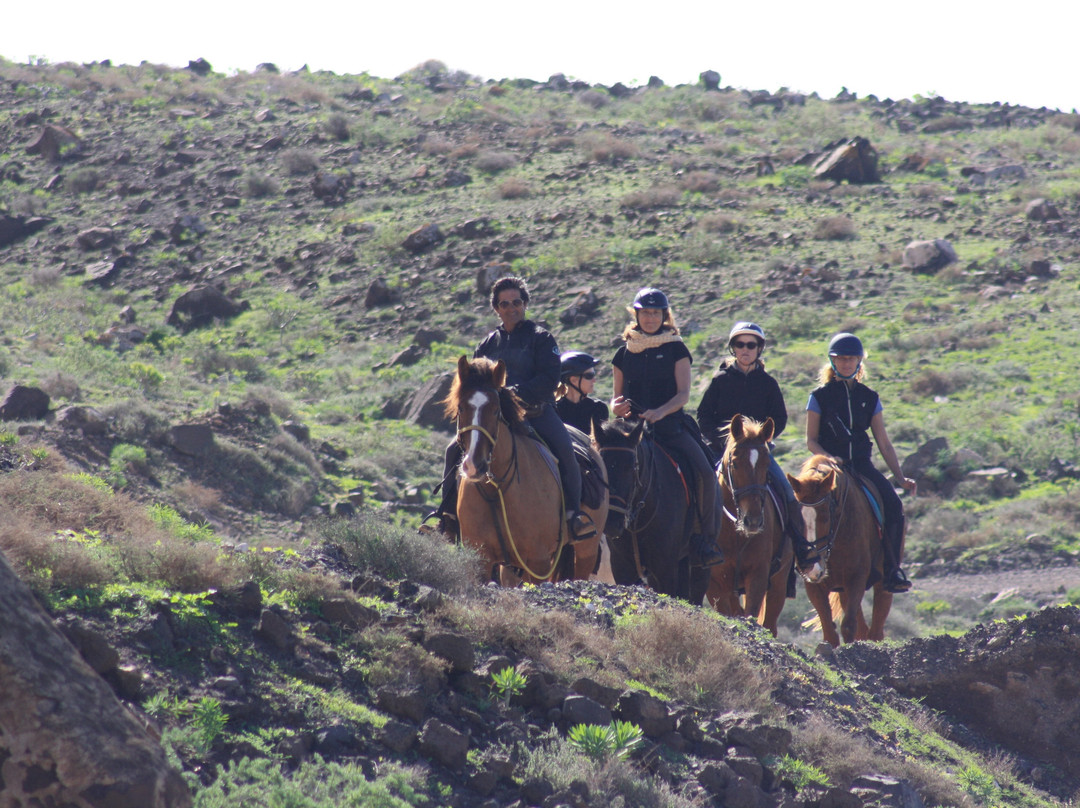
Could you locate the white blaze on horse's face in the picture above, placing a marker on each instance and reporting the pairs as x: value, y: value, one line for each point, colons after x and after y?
x: 754, y: 455
x: 810, y: 519
x: 468, y: 464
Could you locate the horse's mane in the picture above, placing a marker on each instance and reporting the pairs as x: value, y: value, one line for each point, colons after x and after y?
x: 817, y: 467
x: 615, y: 428
x: 751, y: 431
x: 481, y: 376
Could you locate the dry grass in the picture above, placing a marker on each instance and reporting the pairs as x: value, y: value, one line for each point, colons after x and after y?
x: 704, y: 182
x: 492, y: 162
x: 844, y: 756
x: 718, y: 223
x: 514, y: 188
x: 199, y: 498
x: 835, y: 228
x: 60, y: 532
x: 659, y: 196
x: 602, y: 147
x: 299, y: 161
x: 689, y: 656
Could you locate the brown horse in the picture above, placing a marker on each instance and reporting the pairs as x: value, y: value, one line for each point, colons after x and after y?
x: 846, y: 534
x: 752, y: 535
x: 509, y: 505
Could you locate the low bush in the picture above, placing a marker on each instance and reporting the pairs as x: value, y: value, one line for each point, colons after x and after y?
x: 835, y: 228
x: 514, y: 188
x: 258, y: 185
x: 492, y: 162
x: 659, y: 196
x: 400, y: 554
x: 299, y: 161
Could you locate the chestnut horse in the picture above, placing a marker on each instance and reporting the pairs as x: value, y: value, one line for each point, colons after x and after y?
x: 752, y: 535
x: 846, y: 534
x: 510, y: 504
x: 648, y: 522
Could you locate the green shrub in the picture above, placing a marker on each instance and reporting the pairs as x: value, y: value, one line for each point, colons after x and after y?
x: 299, y: 161
x: 257, y: 185
x: 618, y: 740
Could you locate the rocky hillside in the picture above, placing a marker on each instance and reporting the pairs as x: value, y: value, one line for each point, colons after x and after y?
x: 227, y: 303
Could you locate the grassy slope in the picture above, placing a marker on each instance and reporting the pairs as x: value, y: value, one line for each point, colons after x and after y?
x: 657, y: 188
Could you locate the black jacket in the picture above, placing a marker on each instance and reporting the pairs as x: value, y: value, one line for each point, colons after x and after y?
x: 846, y: 413
x: 732, y: 392
x: 581, y: 414
x: 532, y: 360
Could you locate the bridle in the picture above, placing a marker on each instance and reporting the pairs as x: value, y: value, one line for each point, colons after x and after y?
x: 824, y: 544
x: 758, y: 489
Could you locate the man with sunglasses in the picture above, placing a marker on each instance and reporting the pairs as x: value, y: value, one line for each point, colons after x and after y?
x: 532, y: 357
x: 572, y: 400
x: 741, y: 386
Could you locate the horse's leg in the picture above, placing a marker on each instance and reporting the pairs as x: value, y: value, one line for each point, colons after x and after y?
x: 721, y: 589
x: 882, y: 605
x: 851, y: 599
x: 510, y: 576
x: 776, y: 595
x: 819, y: 598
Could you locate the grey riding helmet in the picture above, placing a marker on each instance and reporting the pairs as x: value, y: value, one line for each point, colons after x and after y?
x: 747, y: 329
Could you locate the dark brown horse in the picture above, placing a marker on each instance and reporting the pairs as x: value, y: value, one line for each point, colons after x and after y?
x: 752, y: 534
x: 648, y: 522
x: 846, y: 534
x: 509, y: 504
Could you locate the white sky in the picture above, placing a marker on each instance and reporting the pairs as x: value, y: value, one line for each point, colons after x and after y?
x: 963, y: 51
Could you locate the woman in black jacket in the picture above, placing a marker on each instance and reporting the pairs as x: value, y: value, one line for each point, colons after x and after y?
x: 573, y: 401
x: 742, y: 387
x: 838, y: 416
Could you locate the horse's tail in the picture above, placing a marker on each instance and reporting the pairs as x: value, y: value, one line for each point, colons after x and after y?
x: 835, y: 606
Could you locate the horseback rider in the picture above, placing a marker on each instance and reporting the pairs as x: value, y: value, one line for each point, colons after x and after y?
x: 531, y: 356
x: 838, y: 416
x: 572, y: 400
x: 741, y: 386
x: 652, y: 382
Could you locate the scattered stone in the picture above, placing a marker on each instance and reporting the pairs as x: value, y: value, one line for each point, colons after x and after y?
x: 710, y: 79
x: 1041, y: 210
x: 854, y: 160
x: 444, y: 744
x: 16, y: 228
x: 454, y: 648
x: 379, y: 293
x: 87, y: 420
x: 200, y: 67
x: 276, y: 630
x: 928, y: 256
x: 53, y: 141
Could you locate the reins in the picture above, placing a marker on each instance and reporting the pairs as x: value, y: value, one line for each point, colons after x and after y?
x: 837, y: 508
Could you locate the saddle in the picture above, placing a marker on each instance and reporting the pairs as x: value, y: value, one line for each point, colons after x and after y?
x: 592, y: 476
x: 871, y: 493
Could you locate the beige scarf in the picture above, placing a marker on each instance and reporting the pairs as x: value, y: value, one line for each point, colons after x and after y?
x: 638, y: 341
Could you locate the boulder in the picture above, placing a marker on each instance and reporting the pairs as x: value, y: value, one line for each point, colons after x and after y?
x: 193, y: 440
x: 855, y: 161
x: 201, y: 306
x: 200, y: 67
x: 1041, y: 210
x: 24, y: 404
x: 444, y: 744
x: 87, y: 420
x: 424, y: 407
x: 52, y: 140
x: 379, y: 293
x: 423, y: 238
x: 710, y: 79
x: 64, y: 737
x: 928, y: 256
x: 16, y: 228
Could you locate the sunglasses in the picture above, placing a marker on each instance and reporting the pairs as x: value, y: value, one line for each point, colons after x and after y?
x: 517, y: 303
x: 591, y: 374
x: 753, y: 344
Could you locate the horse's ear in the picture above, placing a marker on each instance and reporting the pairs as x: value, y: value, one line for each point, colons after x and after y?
x: 463, y: 367
x: 796, y: 484
x: 830, y: 480
x: 768, y: 429
x: 637, y: 432
x: 736, y: 427
x: 499, y: 376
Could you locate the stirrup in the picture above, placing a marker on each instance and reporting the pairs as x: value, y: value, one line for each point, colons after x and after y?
x: 580, y: 526
x: 897, y: 583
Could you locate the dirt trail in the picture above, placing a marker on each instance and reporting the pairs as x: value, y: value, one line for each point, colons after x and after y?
x: 1042, y: 586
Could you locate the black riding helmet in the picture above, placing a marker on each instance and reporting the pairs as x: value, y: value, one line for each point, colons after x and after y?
x: 845, y: 344
x: 576, y: 363
x: 650, y: 298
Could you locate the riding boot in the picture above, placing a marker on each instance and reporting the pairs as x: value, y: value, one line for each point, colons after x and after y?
x: 893, y: 543
x: 806, y: 555
x: 446, y: 513
x: 580, y: 526
x: 708, y: 554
